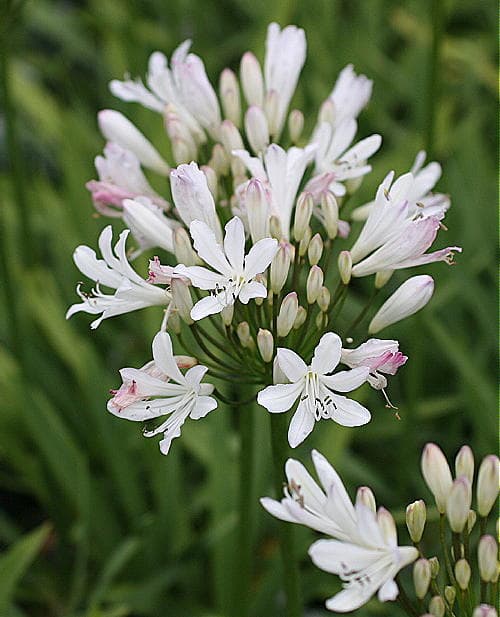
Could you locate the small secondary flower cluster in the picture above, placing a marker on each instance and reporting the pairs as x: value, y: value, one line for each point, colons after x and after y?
x: 244, y: 280
x: 365, y: 553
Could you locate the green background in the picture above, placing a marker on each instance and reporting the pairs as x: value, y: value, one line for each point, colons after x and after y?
x: 116, y: 529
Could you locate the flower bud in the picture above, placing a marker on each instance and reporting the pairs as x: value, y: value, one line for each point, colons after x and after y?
x: 323, y: 299
x: 435, y: 567
x: 174, y: 322
x: 409, y: 298
x: 353, y: 184
x: 243, y: 332
x: 437, y: 474
x: 366, y: 497
x: 181, y: 151
x: 345, y: 266
x: 295, y: 125
x: 251, y: 78
x: 275, y: 227
x: 450, y: 593
x: 471, y: 520
x: 330, y: 212
x: 315, y: 249
x: 181, y: 297
x: 185, y: 361
x: 271, y: 107
x: 484, y: 610
x: 437, y: 606
x: 227, y: 315
x: 230, y: 96
x: 301, y: 317
x: 421, y: 577
x: 416, y: 514
x: 314, y: 284
x: 462, y: 573
x: 387, y: 526
x: 261, y: 278
x: 183, y: 249
x: 304, y: 243
x: 257, y: 207
x: 327, y: 112
x: 382, y: 277
x: 287, y: 314
x: 280, y: 267
x: 219, y: 160
x: 487, y: 484
x: 487, y: 552
x: 265, y: 344
x: 256, y: 129
x: 230, y: 137
x: 303, y: 212
x: 464, y: 463
x: 212, y: 181
x: 321, y: 321
x: 458, y: 504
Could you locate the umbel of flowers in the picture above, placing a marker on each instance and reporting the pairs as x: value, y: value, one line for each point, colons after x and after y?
x: 249, y: 268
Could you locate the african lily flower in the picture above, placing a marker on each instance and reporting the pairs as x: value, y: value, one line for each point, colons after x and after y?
x: 380, y: 356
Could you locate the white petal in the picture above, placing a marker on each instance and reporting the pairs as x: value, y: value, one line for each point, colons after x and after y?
x: 234, y: 243
x: 350, y: 599
x: 195, y: 375
x: 96, y: 269
x: 329, y: 478
x: 291, y: 364
x: 349, y: 412
x: 204, y: 405
x: 164, y: 357
x: 208, y: 248
x: 166, y: 442
x: 388, y: 591
x: 332, y: 555
x: 327, y: 353
x: 260, y: 256
x: 252, y: 290
x: 208, y: 306
x: 277, y: 509
x: 301, y: 425
x: 346, y: 381
x: 200, y: 277
x: 280, y: 397
x: 313, y: 496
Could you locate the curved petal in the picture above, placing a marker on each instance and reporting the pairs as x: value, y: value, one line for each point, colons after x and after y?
x: 208, y: 248
x: 329, y: 478
x: 234, y: 243
x: 291, y: 364
x: 280, y: 397
x: 346, y: 381
x: 164, y: 357
x: 208, y: 306
x: 388, y: 591
x: 200, y: 277
x: 277, y: 509
x: 195, y: 375
x: 204, y: 405
x: 313, y: 496
x: 252, y: 290
x: 333, y: 555
x: 301, y: 425
x: 327, y: 353
x: 349, y: 412
x: 260, y: 256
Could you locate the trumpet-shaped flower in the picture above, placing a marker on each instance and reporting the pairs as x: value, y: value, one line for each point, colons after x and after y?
x: 148, y: 224
x: 160, y: 389
x: 233, y: 273
x: 316, y: 387
x: 114, y: 271
x: 380, y: 356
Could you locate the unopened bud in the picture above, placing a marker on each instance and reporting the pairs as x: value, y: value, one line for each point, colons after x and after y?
x: 421, y: 577
x: 256, y: 129
x: 471, y: 520
x: 366, y: 497
x: 353, y: 184
x: 314, y: 284
x: 327, y: 111
x: 387, y: 526
x: 323, y: 299
x: 437, y: 606
x: 174, y: 322
x: 227, y: 314
x: 243, y: 332
x: 304, y: 243
x: 487, y: 484
x: 416, y: 514
x: 230, y: 137
x: 275, y: 230
x: 458, y: 504
x: 487, y: 552
x: 219, y: 160
x: 315, y: 249
x: 464, y: 463
x: 181, y: 297
x: 301, y: 317
x: 330, y: 212
x: 437, y: 474
x: 295, y: 125
x: 280, y: 267
x: 261, y: 278
x: 303, y: 212
x: 185, y: 362
x: 321, y: 321
x: 257, y: 208
x: 212, y: 181
x: 181, y: 151
x: 230, y: 96
x: 251, y: 78
x: 462, y: 573
x: 450, y: 593
x: 287, y: 314
x: 345, y: 266
x: 484, y: 610
x: 271, y: 107
x: 435, y: 567
x: 183, y: 249
x: 265, y: 344
x: 382, y: 277
x: 238, y: 171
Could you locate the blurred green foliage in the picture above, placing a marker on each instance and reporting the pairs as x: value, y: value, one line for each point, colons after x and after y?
x: 125, y: 531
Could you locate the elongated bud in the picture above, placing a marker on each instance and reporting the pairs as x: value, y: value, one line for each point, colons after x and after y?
x: 437, y: 474
x: 471, y: 520
x: 183, y: 249
x: 295, y: 125
x: 303, y: 212
x: 450, y: 593
x: 181, y: 151
x: 185, y: 361
x: 314, y: 284
x: 416, y: 514
x: 212, y: 181
x: 345, y: 266
x: 174, y: 322
x: 487, y: 552
x: 462, y: 573
x: 366, y: 497
x: 421, y: 577
x: 484, y: 610
x: 117, y: 128
x: 275, y: 230
x: 353, y: 184
x: 409, y: 298
x: 256, y: 129
x: 261, y: 278
x: 230, y: 96
x: 243, y: 332
x: 321, y: 321
x: 304, y: 243
x: 287, y: 314
x: 227, y: 315
x: 330, y: 212
x: 280, y: 267
x: 382, y: 277
x: 437, y: 606
x: 458, y: 504
x: 386, y: 525
x: 257, y: 207
x: 315, y: 249
x: 230, y: 137
x: 251, y: 78
x: 265, y: 344
x: 219, y: 160
x: 323, y: 299
x: 181, y: 297
x: 237, y: 171
x: 435, y: 567
x: 487, y: 484
x: 327, y: 112
x: 271, y: 107
x: 300, y: 319
x: 464, y: 463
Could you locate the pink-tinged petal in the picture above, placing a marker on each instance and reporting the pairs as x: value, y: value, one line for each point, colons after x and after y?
x: 441, y: 255
x: 279, y: 398
x: 208, y: 248
x: 349, y: 412
x: 346, y: 381
x: 164, y: 357
x: 200, y: 277
x: 234, y: 243
x: 301, y: 425
x: 204, y: 405
x: 252, y: 290
x: 260, y: 256
x: 210, y: 305
x: 291, y: 364
x: 327, y: 353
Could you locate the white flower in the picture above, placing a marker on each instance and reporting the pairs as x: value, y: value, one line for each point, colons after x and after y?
x: 285, y: 57
x: 160, y: 389
x: 366, y: 564
x: 380, y: 356
x: 316, y: 388
x: 114, y: 271
x: 148, y: 224
x: 350, y: 95
x: 281, y: 173
x: 234, y: 272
